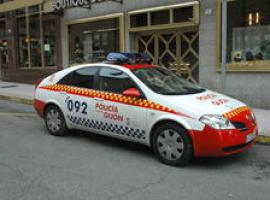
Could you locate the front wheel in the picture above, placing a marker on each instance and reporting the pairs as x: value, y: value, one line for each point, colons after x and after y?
x: 55, y: 121
x: 172, y: 145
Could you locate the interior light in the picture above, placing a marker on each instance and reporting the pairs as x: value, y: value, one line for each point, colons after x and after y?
x: 257, y: 17
x: 250, y: 17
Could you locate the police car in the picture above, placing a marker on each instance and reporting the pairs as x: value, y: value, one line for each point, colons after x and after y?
x: 129, y: 98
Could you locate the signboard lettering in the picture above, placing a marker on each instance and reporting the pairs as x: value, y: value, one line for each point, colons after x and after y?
x: 64, y: 4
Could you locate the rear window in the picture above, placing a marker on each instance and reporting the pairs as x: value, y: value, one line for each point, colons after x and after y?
x: 83, y: 78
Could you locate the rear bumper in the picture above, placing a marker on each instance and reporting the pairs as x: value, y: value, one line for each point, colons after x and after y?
x: 214, y: 143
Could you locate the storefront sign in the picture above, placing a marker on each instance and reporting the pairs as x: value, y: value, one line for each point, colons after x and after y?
x: 64, y: 4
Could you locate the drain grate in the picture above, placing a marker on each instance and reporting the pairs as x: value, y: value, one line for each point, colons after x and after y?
x: 9, y: 86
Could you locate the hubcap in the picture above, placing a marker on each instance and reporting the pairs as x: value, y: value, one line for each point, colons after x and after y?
x: 170, y: 144
x: 53, y: 120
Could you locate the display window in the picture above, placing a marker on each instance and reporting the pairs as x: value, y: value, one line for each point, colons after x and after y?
x: 36, y: 38
x: 248, y: 36
x: 172, y: 16
x: 2, y: 28
x: 92, y: 40
x: 3, y: 43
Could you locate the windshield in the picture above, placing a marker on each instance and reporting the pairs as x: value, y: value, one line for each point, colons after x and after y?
x: 163, y: 81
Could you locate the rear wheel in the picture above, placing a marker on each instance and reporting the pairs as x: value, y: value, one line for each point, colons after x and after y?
x: 172, y: 145
x: 55, y: 121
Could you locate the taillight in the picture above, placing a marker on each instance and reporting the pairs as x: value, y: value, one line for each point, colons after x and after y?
x: 38, y: 82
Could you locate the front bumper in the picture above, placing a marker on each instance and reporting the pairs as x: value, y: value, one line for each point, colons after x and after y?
x: 213, y: 143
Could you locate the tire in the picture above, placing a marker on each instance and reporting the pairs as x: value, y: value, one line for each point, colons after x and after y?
x: 55, y: 121
x: 172, y: 145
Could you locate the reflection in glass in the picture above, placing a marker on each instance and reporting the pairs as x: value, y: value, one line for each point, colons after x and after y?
x: 23, y: 42
x: 91, y: 42
x: 49, y: 29
x: 35, y: 40
x: 248, y: 31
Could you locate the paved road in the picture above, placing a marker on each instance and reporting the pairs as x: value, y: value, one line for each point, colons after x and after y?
x: 37, y: 166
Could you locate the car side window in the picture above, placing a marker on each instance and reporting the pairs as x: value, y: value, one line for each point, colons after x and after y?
x: 83, y: 78
x: 115, y: 81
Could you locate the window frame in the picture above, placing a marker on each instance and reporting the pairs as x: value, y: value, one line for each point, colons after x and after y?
x: 244, y: 66
x: 132, y: 79
x: 194, y: 22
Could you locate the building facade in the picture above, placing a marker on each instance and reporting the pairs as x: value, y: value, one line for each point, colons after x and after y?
x: 183, y: 35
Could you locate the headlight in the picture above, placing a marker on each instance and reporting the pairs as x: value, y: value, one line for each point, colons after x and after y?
x: 253, y: 118
x: 217, y: 122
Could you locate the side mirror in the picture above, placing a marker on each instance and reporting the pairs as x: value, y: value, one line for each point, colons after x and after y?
x: 132, y: 92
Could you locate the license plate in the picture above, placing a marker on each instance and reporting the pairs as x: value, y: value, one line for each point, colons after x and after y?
x: 250, y: 137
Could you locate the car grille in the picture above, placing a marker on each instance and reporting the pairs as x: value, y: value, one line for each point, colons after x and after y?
x: 240, y: 126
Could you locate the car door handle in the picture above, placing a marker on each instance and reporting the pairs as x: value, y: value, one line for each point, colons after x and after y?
x: 98, y: 99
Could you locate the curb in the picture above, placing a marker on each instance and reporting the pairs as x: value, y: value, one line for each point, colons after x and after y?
x: 261, y: 139
x: 16, y: 99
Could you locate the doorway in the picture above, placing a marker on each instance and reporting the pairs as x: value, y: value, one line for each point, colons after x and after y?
x: 175, y: 49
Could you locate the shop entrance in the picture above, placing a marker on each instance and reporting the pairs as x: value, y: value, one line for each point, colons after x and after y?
x: 176, y: 49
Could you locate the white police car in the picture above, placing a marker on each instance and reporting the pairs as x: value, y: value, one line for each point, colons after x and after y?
x: 146, y: 104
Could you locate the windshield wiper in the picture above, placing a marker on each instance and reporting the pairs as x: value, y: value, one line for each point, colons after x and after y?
x: 191, y: 91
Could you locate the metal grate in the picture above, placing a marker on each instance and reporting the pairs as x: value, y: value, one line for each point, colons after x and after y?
x: 176, y: 50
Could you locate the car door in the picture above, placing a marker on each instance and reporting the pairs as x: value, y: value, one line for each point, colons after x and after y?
x: 115, y: 113
x: 77, y: 99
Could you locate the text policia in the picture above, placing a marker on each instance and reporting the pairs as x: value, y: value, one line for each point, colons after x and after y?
x: 109, y: 112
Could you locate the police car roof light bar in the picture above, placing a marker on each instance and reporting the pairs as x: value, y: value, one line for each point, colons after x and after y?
x: 128, y: 58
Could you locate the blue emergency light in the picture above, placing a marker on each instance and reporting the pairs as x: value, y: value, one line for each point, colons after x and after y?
x: 129, y: 58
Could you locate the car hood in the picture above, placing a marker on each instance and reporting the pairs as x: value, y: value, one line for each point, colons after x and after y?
x: 207, y: 102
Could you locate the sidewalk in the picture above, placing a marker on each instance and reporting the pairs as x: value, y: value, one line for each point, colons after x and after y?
x: 24, y: 93
x: 21, y: 93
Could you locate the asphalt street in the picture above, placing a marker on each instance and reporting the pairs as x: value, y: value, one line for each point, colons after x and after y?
x: 37, y: 166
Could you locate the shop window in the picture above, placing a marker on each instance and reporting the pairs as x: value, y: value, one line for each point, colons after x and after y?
x: 20, y: 12
x: 3, y: 42
x: 248, y: 40
x: 49, y: 33
x: 36, y: 38
x: 138, y: 20
x: 115, y: 81
x: 174, y: 16
x: 33, y: 9
x: 160, y: 17
x: 183, y: 14
x: 2, y: 29
x: 23, y: 42
x: 92, y: 41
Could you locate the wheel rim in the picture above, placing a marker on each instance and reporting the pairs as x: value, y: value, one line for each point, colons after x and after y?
x: 53, y: 120
x: 170, y: 144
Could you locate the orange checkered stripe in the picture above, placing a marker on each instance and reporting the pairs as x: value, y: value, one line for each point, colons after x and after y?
x: 111, y: 97
x: 236, y: 112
